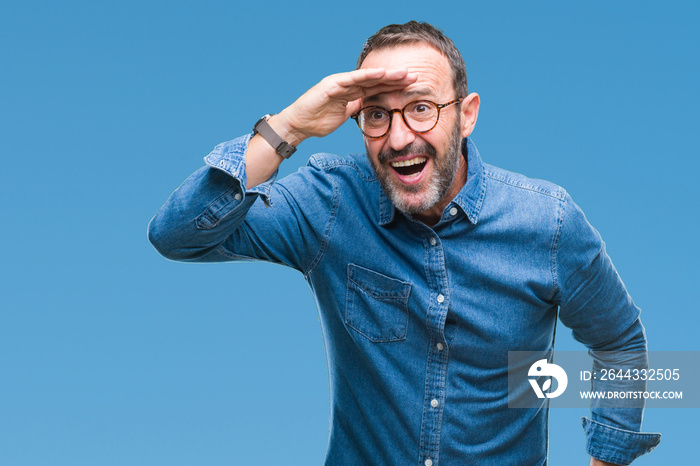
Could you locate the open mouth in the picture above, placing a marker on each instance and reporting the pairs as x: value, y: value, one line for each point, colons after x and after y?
x: 409, y: 167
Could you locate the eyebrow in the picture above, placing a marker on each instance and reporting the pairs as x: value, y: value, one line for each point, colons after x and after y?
x: 418, y: 92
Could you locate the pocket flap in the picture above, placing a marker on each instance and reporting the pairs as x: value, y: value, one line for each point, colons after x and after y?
x: 378, y: 285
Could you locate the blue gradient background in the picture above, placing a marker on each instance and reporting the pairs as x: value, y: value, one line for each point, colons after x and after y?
x: 112, y: 355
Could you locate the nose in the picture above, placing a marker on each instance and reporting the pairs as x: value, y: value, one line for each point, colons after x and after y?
x: 399, y: 135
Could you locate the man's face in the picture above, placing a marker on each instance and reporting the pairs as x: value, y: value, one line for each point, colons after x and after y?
x: 417, y: 171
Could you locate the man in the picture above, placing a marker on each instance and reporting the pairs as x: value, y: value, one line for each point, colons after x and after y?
x: 428, y: 265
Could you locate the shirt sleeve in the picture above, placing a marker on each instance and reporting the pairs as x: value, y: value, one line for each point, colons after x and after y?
x: 595, y: 305
x: 210, y: 217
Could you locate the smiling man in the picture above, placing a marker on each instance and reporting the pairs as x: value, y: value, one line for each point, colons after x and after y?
x: 418, y: 179
x: 460, y: 262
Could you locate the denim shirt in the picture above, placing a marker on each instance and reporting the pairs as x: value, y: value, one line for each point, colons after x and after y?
x: 418, y: 321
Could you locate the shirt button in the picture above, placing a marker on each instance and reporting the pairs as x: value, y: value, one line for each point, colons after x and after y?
x: 453, y: 211
x: 440, y: 346
x: 434, y: 403
x: 433, y: 241
x: 428, y: 462
x: 237, y: 196
x: 440, y: 298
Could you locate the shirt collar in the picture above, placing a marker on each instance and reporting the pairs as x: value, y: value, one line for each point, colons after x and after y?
x: 469, y: 199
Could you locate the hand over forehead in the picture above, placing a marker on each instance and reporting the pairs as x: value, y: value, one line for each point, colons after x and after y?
x: 372, y: 81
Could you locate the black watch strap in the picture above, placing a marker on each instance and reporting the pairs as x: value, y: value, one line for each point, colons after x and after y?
x: 282, y: 147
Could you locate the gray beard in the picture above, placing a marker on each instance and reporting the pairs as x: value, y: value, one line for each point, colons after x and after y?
x: 445, y: 171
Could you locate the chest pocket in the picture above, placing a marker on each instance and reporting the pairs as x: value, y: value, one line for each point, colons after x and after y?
x: 376, y: 305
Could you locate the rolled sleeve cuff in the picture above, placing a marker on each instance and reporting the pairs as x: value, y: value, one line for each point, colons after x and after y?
x: 229, y: 157
x: 615, y: 445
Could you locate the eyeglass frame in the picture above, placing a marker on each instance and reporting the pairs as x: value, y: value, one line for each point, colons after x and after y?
x: 400, y: 111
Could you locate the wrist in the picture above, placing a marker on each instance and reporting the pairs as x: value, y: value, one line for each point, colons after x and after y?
x: 284, y: 126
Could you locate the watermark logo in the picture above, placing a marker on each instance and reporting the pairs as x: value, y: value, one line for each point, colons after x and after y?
x: 604, y: 379
x: 542, y: 368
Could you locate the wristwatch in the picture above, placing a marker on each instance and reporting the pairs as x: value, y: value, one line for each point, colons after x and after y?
x: 281, y: 146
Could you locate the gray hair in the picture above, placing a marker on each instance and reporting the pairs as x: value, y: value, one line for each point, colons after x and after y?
x: 412, y: 32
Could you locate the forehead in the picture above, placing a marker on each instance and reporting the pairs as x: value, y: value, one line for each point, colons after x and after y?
x: 430, y: 65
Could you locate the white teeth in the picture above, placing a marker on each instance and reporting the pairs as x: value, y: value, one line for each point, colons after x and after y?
x: 408, y: 163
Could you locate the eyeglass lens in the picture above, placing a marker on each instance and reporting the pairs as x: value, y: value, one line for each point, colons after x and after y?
x: 420, y: 116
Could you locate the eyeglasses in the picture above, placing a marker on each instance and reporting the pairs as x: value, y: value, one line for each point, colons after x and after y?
x: 420, y: 116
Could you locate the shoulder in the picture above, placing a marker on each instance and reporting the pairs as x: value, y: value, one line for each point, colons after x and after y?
x: 326, y: 175
x: 515, y: 183
x: 352, y: 165
x: 522, y: 202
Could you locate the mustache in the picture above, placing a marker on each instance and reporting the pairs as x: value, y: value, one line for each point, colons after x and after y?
x: 412, y: 149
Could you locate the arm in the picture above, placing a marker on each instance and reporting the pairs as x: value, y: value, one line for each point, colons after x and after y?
x: 203, y: 220
x: 595, y: 304
x: 319, y: 112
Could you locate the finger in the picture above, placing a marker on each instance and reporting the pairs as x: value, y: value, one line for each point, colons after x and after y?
x: 358, y: 92
x: 373, y: 76
x: 382, y: 88
x: 353, y: 107
x: 357, y: 86
x: 400, y: 74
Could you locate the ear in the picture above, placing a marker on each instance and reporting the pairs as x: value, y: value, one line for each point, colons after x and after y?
x: 470, y: 112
